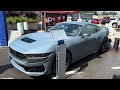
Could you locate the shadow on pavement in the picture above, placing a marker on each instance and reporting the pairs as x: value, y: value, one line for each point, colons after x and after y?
x: 49, y: 76
x: 5, y: 67
x: 83, y: 61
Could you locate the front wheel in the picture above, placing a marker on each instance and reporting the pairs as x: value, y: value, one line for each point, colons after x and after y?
x: 104, y: 46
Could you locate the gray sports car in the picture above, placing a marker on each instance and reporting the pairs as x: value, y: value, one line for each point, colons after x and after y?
x: 34, y: 54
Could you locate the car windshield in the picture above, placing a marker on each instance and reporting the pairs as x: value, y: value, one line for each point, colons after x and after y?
x: 70, y: 29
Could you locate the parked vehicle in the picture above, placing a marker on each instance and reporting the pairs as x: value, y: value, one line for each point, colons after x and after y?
x: 115, y: 23
x: 84, y: 19
x: 74, y: 18
x: 95, y: 21
x: 105, y: 20
x: 35, y: 54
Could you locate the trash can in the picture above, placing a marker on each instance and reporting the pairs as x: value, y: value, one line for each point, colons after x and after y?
x: 20, y: 27
x: 25, y: 25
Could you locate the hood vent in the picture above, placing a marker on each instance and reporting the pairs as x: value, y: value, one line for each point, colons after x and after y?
x: 28, y: 40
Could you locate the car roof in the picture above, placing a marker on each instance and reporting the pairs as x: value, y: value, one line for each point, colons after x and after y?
x: 76, y: 22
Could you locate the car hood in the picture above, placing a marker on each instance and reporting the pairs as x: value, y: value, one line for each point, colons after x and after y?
x: 40, y: 42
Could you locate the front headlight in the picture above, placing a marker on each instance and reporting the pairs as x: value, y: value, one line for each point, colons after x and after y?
x: 37, y: 56
x: 33, y: 58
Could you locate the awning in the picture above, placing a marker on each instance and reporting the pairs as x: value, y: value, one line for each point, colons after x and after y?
x: 63, y: 12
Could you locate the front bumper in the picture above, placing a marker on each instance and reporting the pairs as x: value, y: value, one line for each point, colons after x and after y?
x: 23, y: 64
x: 23, y: 70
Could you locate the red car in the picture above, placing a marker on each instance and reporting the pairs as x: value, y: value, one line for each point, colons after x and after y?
x: 95, y: 21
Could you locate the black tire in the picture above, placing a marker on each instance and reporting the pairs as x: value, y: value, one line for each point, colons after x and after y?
x: 114, y: 25
x: 104, y: 46
x: 68, y: 60
x: 10, y: 58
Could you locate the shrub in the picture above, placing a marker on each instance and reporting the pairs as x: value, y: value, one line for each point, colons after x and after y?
x: 30, y: 20
x: 13, y: 20
x: 20, y: 19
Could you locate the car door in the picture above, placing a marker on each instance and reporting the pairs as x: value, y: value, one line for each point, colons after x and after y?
x: 88, y: 44
x: 94, y: 38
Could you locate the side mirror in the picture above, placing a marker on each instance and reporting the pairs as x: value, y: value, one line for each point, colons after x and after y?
x: 85, y: 35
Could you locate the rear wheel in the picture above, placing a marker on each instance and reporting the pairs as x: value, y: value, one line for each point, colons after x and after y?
x: 10, y: 58
x: 68, y: 61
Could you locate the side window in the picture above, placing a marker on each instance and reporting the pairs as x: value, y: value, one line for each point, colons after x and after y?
x: 90, y: 29
x: 96, y: 29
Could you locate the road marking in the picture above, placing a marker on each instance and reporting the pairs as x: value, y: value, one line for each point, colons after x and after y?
x: 116, y: 67
x: 6, y: 78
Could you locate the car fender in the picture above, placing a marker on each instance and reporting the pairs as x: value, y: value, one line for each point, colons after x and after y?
x: 103, y: 34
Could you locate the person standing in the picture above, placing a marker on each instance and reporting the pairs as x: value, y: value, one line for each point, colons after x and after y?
x: 116, y: 44
x: 117, y: 39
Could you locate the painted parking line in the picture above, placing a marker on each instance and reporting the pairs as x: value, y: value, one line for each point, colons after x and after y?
x: 6, y: 78
x: 116, y: 67
x: 69, y: 73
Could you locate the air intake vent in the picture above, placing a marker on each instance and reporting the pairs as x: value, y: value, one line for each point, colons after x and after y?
x: 28, y: 40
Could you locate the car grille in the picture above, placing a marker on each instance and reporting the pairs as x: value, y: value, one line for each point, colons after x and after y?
x: 17, y: 54
x: 33, y: 69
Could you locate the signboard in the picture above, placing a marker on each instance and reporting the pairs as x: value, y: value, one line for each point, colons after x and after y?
x: 61, y: 61
x: 54, y: 19
x: 58, y: 34
x: 3, y: 29
x: 51, y: 18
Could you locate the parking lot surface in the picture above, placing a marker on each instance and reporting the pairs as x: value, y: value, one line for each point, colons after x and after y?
x: 99, y: 67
